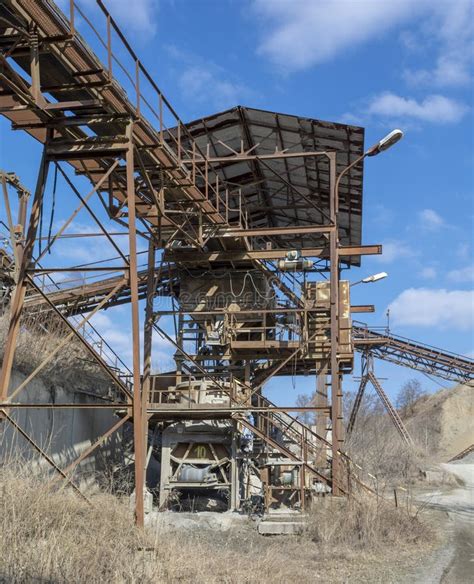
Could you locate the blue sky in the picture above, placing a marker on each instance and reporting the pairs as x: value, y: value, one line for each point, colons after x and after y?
x: 382, y: 65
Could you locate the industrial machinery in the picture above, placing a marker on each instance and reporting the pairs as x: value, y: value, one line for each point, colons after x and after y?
x: 248, y: 217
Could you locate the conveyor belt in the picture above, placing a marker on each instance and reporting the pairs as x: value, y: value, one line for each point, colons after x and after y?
x: 412, y: 354
x: 74, y: 76
x: 84, y: 298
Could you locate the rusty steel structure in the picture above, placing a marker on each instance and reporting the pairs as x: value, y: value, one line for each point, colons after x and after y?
x: 248, y: 218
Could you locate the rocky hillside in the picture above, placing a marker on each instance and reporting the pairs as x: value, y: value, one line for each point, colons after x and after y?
x: 442, y: 423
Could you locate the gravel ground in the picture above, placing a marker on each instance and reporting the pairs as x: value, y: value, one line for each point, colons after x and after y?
x: 454, y: 562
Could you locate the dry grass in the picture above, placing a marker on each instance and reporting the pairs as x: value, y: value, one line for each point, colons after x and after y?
x: 37, y: 341
x: 364, y: 522
x: 53, y: 536
x: 378, y: 448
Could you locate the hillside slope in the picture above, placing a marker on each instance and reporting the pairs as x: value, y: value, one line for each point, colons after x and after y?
x: 442, y: 423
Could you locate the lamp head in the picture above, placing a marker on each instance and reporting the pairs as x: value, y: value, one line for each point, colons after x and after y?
x: 375, y: 277
x: 385, y: 143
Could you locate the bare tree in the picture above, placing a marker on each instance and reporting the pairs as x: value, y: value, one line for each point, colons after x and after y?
x: 304, y: 400
x: 408, y: 395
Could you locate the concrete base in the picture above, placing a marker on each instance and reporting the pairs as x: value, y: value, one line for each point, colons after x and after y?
x: 147, y: 501
x: 280, y: 528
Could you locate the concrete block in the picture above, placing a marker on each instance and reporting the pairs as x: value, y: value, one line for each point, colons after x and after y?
x: 280, y: 528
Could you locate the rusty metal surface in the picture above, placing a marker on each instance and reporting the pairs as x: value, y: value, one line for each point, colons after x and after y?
x: 171, y: 183
x: 408, y: 353
x: 268, y: 201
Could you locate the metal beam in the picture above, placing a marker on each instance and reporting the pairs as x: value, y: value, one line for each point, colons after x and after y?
x: 193, y: 257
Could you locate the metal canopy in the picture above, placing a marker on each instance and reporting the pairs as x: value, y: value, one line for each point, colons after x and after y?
x: 275, y: 192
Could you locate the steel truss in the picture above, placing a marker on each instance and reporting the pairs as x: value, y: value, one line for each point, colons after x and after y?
x: 368, y: 376
x: 149, y: 176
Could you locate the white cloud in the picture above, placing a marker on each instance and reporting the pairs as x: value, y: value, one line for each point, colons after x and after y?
x: 451, y: 33
x: 428, y: 273
x: 430, y: 219
x: 462, y: 274
x: 114, y: 326
x: 300, y: 34
x: 204, y: 83
x: 394, y: 250
x: 446, y: 309
x: 433, y: 108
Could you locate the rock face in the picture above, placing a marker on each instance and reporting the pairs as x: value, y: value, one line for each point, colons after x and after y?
x: 442, y: 423
x: 63, y: 433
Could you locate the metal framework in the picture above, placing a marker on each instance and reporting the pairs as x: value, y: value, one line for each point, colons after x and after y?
x: 383, y: 344
x: 219, y: 202
x: 368, y: 376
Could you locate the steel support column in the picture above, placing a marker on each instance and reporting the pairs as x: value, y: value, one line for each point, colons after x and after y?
x: 138, y: 433
x: 147, y: 345
x: 336, y: 396
x: 25, y: 258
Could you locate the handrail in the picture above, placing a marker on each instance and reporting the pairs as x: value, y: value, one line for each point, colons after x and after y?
x: 359, y: 327
x: 166, y: 135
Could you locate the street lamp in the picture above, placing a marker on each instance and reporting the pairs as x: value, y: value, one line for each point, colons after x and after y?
x: 370, y: 279
x: 384, y: 144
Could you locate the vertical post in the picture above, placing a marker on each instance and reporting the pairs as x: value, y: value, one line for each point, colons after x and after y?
x: 109, y: 48
x: 321, y: 400
x: 147, y: 339
x: 25, y: 256
x: 137, y: 84
x: 138, y: 440
x: 160, y: 106
x: 23, y: 206
x: 35, y: 68
x: 11, y: 227
x: 227, y: 206
x: 240, y: 209
x: 72, y: 18
x: 301, y: 471
x: 334, y: 304
x: 179, y: 141
x: 234, y: 495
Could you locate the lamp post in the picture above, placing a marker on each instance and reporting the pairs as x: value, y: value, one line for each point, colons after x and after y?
x: 336, y: 392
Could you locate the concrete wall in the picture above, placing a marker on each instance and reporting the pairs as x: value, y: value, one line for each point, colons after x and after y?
x: 63, y: 433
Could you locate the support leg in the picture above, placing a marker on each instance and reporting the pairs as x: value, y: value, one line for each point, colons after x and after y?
x: 20, y: 290
x: 138, y: 434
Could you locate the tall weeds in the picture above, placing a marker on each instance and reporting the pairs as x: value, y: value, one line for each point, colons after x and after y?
x: 53, y: 536
x: 364, y: 522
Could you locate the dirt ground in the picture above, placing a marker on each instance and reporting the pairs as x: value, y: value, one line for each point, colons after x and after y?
x: 450, y: 560
x: 453, y: 562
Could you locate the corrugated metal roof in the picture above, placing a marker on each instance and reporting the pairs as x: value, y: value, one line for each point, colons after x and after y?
x: 267, y: 196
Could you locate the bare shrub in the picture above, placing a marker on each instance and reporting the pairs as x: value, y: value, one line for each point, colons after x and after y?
x: 410, y: 393
x: 37, y: 341
x: 377, y: 447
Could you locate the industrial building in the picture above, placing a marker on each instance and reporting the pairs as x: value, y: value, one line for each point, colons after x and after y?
x: 251, y: 220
